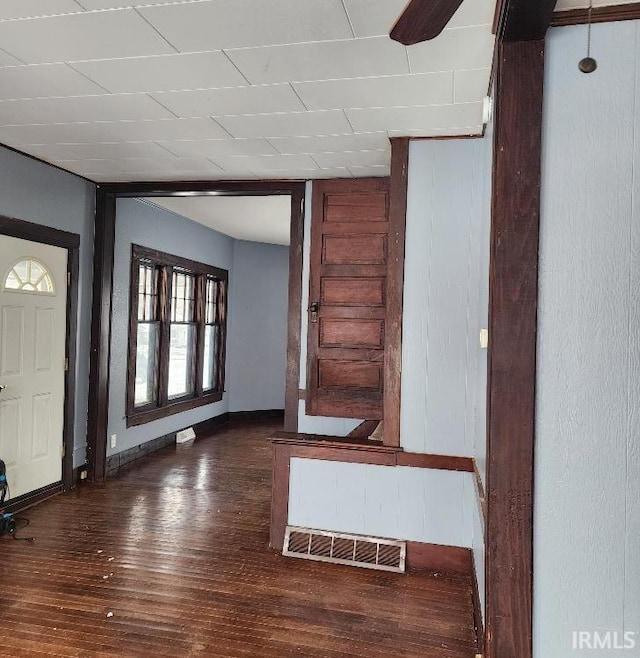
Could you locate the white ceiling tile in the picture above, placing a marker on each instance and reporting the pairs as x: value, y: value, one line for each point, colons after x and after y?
x: 373, y: 18
x: 331, y: 143
x: 354, y: 58
x: 70, y: 110
x: 141, y: 165
x: 471, y: 85
x: 286, y: 125
x: 364, y: 172
x: 240, y: 100
x: 353, y: 159
x: 44, y: 80
x: 438, y: 117
x: 463, y: 48
x: 97, y: 35
x: 116, y: 4
x: 111, y: 131
x: 163, y: 72
x: 99, y: 151
x: 474, y: 12
x: 25, y: 8
x: 259, y: 164
x: 210, y: 148
x: 222, y: 24
x: 396, y: 90
x: 314, y: 174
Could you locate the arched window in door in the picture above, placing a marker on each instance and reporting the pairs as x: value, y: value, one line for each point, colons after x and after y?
x: 29, y: 275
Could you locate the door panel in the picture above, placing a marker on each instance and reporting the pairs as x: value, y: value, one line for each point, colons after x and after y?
x: 349, y: 238
x: 33, y: 308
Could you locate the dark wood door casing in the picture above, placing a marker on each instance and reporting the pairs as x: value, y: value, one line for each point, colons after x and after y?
x: 347, y: 298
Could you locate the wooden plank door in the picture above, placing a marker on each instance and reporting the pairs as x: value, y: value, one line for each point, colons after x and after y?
x: 345, y: 350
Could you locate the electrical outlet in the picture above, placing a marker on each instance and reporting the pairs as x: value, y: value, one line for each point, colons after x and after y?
x: 114, y: 440
x: 83, y: 474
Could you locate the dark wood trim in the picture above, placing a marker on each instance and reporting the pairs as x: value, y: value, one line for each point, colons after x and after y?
x: 106, y: 195
x: 322, y: 440
x: 296, y: 242
x: 21, y: 503
x: 395, y: 288
x: 609, y: 14
x: 18, y: 228
x: 118, y: 460
x: 73, y: 278
x: 204, y: 188
x: 258, y: 415
x: 482, y: 499
x: 163, y: 406
x: 211, y: 425
x: 436, y: 557
x: 103, y: 250
x: 513, y: 293
x: 523, y: 20
x: 477, y: 607
x: 439, y: 462
x: 279, y: 495
x: 364, y: 430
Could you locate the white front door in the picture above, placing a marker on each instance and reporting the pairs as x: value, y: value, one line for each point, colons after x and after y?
x: 33, y: 302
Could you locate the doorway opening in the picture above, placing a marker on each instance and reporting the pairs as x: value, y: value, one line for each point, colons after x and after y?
x: 253, y: 328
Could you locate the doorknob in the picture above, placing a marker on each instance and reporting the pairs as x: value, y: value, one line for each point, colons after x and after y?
x: 313, y: 310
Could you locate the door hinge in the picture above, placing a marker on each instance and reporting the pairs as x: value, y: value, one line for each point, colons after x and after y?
x: 68, y: 278
x: 63, y: 450
x: 66, y: 364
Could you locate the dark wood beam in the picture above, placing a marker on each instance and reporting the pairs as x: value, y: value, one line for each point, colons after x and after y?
x: 512, y: 349
x: 395, y: 286
x: 523, y: 20
x: 103, y: 249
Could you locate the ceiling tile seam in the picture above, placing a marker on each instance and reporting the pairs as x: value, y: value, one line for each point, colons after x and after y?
x: 295, y: 91
x: 406, y: 54
x: 346, y: 11
x: 156, y: 30
x: 337, y: 109
x: 18, y: 59
x: 153, y: 98
x: 80, y: 5
x: 222, y: 127
x: 86, y: 77
x: 157, y: 143
x: 235, y: 66
x: 353, y: 130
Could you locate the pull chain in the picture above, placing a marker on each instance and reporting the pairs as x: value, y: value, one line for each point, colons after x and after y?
x: 588, y: 64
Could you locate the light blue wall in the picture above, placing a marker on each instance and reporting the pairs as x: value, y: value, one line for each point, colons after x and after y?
x: 35, y: 192
x: 257, y: 340
x: 446, y: 297
x: 140, y: 223
x: 587, y: 486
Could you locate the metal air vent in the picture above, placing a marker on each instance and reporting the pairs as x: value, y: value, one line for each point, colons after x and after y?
x: 340, y: 548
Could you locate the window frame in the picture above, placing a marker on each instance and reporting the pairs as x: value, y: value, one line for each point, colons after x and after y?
x: 165, y: 264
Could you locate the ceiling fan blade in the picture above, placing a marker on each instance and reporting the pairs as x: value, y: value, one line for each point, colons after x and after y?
x: 423, y: 20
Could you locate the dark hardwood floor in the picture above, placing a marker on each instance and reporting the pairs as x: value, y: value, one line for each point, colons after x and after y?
x: 175, y: 547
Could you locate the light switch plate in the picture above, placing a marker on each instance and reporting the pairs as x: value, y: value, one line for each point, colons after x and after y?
x: 484, y: 338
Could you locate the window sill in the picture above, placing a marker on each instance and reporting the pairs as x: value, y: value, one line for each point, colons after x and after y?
x: 148, y: 415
